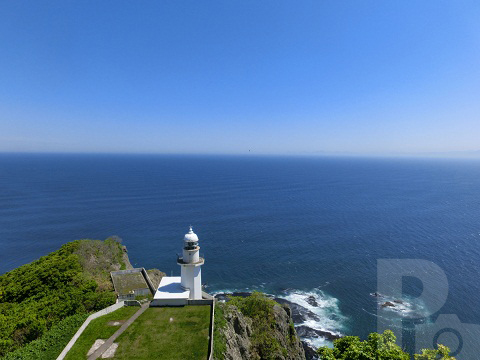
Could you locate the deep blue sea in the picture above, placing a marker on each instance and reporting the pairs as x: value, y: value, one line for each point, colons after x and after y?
x: 302, y: 228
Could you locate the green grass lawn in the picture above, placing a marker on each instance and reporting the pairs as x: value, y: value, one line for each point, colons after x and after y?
x: 99, y: 329
x: 168, y: 333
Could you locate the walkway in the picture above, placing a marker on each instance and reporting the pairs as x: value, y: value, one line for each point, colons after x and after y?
x: 112, y: 338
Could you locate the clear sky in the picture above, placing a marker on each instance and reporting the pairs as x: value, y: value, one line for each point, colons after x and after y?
x: 261, y: 77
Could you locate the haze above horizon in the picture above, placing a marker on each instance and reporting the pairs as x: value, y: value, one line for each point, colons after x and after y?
x: 290, y: 78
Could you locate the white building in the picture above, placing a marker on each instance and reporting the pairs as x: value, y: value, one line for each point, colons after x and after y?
x: 177, y: 290
x: 191, y: 263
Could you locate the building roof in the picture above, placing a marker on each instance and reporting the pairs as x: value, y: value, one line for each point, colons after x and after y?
x: 170, y: 288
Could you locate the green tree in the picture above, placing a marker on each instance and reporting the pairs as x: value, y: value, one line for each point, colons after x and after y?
x: 37, y: 296
x: 442, y: 353
x: 377, y: 347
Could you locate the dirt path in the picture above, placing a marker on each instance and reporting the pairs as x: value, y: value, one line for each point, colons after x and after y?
x: 112, y: 338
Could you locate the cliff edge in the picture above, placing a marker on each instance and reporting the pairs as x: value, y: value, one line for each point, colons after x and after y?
x: 255, y: 327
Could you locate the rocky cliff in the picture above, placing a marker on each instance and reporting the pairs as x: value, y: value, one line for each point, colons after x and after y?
x: 259, y: 329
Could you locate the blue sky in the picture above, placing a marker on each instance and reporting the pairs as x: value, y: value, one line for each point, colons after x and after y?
x: 261, y: 77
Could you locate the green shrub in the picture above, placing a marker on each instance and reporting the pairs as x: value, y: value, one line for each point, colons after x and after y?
x: 51, y: 344
x: 376, y: 347
x: 443, y: 353
x: 256, y: 306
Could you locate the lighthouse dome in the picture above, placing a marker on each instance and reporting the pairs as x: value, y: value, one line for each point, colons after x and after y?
x: 190, y: 236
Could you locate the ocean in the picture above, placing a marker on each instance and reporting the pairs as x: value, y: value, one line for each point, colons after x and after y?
x: 306, y: 229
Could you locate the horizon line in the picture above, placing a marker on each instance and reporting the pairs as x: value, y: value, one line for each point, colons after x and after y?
x: 475, y: 154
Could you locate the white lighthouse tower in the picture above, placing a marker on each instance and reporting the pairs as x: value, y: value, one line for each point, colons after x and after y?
x: 179, y: 290
x: 190, y: 263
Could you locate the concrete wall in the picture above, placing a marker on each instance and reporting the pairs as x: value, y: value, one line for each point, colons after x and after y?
x: 132, y: 303
x: 199, y: 302
x: 79, y: 332
x: 149, y: 282
x: 126, y: 297
x: 168, y: 302
x: 210, y: 331
x: 207, y: 296
x: 137, y: 292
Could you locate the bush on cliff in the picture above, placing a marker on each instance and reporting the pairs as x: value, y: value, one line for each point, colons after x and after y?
x: 36, y: 296
x: 376, y: 347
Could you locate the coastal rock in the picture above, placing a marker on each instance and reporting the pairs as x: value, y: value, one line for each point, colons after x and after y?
x: 388, y: 304
x: 310, y: 353
x: 126, y: 260
x: 237, y: 334
x: 155, y: 276
x: 311, y: 300
x: 307, y: 332
x: 299, y: 313
x: 286, y: 334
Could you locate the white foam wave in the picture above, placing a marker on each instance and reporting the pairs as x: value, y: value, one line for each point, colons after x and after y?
x: 392, y: 325
x: 406, y: 307
x: 327, y: 313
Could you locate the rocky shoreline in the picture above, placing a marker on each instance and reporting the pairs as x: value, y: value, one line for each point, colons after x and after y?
x: 299, y: 315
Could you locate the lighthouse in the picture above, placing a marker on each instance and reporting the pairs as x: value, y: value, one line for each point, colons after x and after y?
x: 187, y: 288
x: 190, y: 263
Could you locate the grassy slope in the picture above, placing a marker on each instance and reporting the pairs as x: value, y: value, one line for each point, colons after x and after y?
x: 99, y: 329
x: 220, y: 341
x: 154, y: 336
x: 72, y: 280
